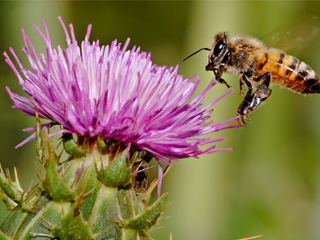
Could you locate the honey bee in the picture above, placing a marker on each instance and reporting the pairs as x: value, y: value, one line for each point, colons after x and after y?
x: 257, y: 66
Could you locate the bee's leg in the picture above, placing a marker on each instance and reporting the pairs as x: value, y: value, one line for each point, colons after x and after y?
x: 241, y: 85
x: 245, y: 107
x: 249, y: 104
x: 218, y: 73
x: 224, y: 82
x: 242, y: 121
x: 251, y: 100
x: 244, y: 81
x: 263, y: 91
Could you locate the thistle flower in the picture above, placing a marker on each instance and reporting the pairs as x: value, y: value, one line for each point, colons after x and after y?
x: 118, y: 95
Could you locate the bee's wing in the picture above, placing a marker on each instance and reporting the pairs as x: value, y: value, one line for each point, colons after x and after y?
x: 295, y: 35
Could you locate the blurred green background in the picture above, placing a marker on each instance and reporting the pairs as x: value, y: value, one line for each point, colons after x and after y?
x: 269, y: 185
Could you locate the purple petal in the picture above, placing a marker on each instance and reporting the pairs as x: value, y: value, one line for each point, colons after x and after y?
x: 116, y: 93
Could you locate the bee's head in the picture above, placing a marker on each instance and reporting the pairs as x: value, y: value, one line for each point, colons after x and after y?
x: 218, y: 51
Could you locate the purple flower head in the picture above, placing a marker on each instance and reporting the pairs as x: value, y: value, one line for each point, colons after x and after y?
x: 118, y: 94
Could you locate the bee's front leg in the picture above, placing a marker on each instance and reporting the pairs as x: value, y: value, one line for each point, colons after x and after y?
x: 218, y: 73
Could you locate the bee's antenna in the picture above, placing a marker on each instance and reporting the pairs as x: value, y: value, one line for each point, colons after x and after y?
x: 208, y: 49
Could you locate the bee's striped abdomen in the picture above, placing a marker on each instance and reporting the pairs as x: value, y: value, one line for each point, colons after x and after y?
x: 289, y: 72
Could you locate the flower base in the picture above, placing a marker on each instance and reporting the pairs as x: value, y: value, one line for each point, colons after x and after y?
x: 87, y: 197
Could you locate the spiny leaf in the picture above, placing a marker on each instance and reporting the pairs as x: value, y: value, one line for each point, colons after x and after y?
x: 10, y: 188
x: 44, y: 146
x: 72, y: 226
x: 147, y: 218
x: 101, y: 143
x: 55, y: 185
x: 70, y: 146
x: 3, y: 236
x: 117, y: 173
x: 10, y: 204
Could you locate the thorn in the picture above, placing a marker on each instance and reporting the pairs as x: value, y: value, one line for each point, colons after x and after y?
x: 102, y: 167
x: 100, y: 233
x: 156, y: 228
x: 64, y: 161
x: 9, y: 201
x: 23, y: 197
x: 17, y: 179
x: 46, y: 227
x: 11, y: 232
x: 89, y: 192
x: 8, y: 175
x: 118, y: 150
x: 134, y: 160
x: 163, y: 219
x: 56, y: 150
x: 50, y: 224
x: 117, y: 221
x: 49, y: 146
x: 96, y: 166
x: 40, y: 235
x: 147, y: 235
x: 35, y: 209
x: 59, y: 143
x: 30, y: 187
x: 137, y: 167
x: 80, y: 199
x: 89, y: 220
x: 62, y: 174
x: 39, y: 172
x: 60, y: 155
x: 162, y: 210
x: 116, y: 217
x: 250, y: 237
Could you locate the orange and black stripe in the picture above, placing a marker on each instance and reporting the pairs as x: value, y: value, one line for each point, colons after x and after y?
x: 289, y: 72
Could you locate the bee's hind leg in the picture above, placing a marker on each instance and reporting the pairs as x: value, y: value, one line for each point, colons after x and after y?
x: 263, y: 91
x: 246, y: 106
x: 252, y: 100
x: 242, y: 121
x: 244, y: 81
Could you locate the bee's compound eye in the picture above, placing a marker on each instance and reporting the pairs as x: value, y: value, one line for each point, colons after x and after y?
x: 220, y: 46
